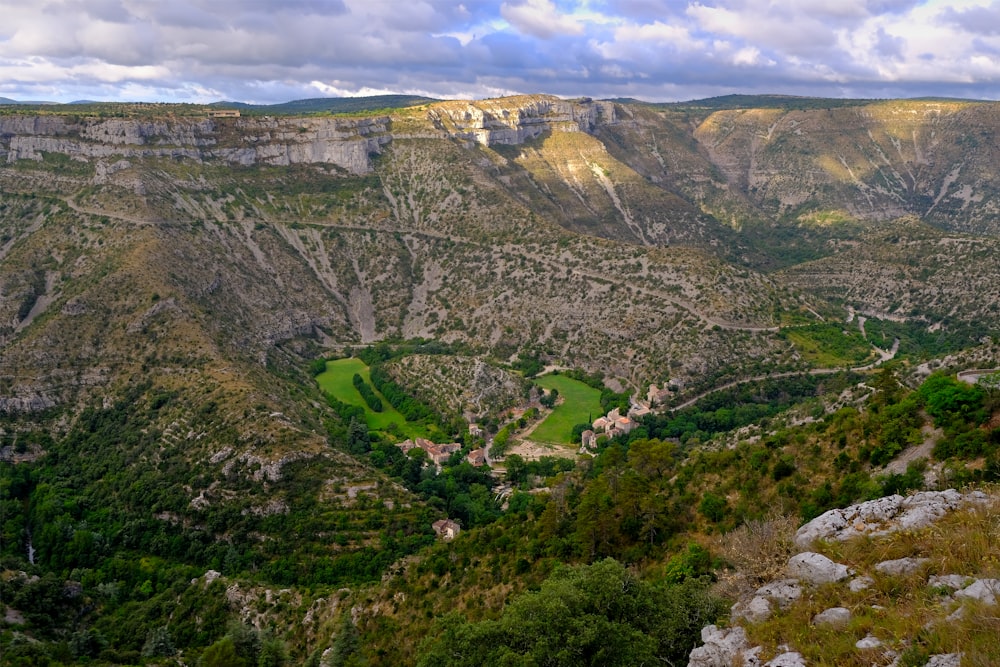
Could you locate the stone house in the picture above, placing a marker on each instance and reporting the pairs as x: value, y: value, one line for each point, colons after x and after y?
x: 477, y: 457
x: 446, y: 529
x: 612, y: 424
x: 437, y: 453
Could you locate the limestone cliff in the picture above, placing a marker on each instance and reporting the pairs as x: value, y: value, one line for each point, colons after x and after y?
x: 345, y: 143
x: 515, y: 120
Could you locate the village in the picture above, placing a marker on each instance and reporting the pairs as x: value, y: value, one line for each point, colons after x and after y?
x: 611, y: 425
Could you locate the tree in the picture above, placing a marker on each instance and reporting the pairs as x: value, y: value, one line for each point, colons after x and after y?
x: 273, y: 653
x: 222, y: 654
x: 158, y: 644
x: 549, y: 399
x: 358, y: 441
x: 713, y: 507
x: 517, y: 469
x: 344, y: 651
x: 600, y: 614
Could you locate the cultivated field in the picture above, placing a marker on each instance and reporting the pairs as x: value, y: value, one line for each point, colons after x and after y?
x: 580, y: 403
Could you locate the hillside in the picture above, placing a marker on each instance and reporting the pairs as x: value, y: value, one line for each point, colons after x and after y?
x: 171, y: 283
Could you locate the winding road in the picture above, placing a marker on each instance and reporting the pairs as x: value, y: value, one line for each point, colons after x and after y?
x: 884, y: 356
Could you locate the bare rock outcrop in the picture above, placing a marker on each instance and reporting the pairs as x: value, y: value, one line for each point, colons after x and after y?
x: 837, y: 617
x: 983, y: 590
x: 781, y: 593
x: 960, y: 593
x: 347, y: 143
x: 901, y: 566
x: 883, y: 516
x: 723, y: 647
x: 816, y: 569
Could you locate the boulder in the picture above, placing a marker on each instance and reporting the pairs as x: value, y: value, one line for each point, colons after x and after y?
x: 884, y: 515
x: 817, y: 569
x: 723, y: 647
x: 951, y: 581
x: 984, y: 590
x: 756, y: 610
x: 789, y: 659
x: 782, y: 591
x: 901, y: 566
x: 840, y: 524
x: 871, y: 641
x: 945, y: 660
x: 836, y: 617
x: 859, y: 584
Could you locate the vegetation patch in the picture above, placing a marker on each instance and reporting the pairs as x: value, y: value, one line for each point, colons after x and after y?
x: 338, y: 381
x: 917, y: 340
x: 580, y: 404
x: 829, y: 345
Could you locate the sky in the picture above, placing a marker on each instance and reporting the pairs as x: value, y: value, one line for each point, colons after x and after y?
x: 267, y: 51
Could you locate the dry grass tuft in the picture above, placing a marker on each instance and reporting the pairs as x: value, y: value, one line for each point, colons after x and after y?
x: 758, y: 551
x: 902, y: 611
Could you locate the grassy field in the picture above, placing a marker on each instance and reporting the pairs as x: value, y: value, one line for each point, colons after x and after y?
x: 337, y: 380
x: 581, y: 403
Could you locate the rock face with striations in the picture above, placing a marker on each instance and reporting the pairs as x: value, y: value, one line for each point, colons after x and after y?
x: 513, y: 121
x: 347, y: 143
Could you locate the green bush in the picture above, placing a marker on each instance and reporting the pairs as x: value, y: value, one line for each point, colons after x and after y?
x: 599, y: 614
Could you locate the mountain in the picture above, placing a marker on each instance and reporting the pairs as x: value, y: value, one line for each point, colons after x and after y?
x: 7, y: 100
x: 169, y: 280
x: 337, y: 105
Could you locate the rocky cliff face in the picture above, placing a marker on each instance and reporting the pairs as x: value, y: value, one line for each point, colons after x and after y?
x: 868, y: 162
x: 345, y: 143
x: 513, y: 121
x: 282, y: 141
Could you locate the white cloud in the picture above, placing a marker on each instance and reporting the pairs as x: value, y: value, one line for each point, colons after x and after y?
x: 540, y: 18
x: 748, y: 55
x: 270, y: 50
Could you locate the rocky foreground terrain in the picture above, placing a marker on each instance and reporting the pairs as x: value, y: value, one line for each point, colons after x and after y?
x: 916, y: 608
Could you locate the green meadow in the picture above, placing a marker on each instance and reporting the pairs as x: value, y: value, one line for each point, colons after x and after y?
x: 581, y: 403
x: 337, y: 380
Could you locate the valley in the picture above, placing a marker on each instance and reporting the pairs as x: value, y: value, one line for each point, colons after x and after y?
x: 216, y: 331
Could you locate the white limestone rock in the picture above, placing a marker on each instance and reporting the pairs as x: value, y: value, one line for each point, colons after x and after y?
x: 816, y: 569
x: 836, y: 617
x: 869, y: 642
x: 862, y: 583
x: 723, y: 647
x: 789, y: 659
x: 951, y: 581
x: 884, y: 515
x: 783, y: 591
x: 901, y: 566
x: 956, y: 615
x: 756, y: 610
x: 945, y: 660
x: 984, y: 590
